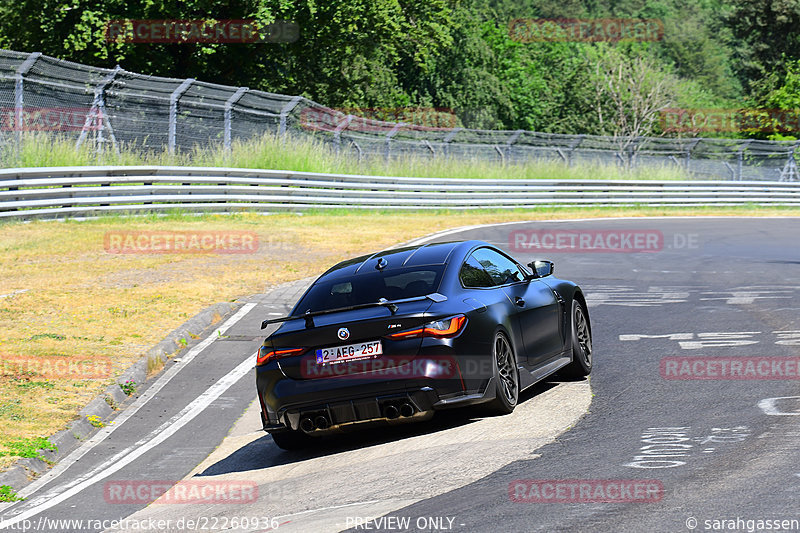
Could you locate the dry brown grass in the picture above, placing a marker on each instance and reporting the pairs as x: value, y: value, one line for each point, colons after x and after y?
x: 86, y: 304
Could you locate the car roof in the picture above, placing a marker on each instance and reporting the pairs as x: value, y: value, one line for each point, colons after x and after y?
x: 430, y: 254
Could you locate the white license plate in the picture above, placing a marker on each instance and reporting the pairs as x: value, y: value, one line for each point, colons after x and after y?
x: 338, y: 354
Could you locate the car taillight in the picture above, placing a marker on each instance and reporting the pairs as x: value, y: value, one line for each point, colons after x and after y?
x: 441, y: 329
x: 265, y: 354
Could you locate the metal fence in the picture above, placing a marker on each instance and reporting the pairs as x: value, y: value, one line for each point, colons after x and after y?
x: 89, y: 191
x: 113, y: 107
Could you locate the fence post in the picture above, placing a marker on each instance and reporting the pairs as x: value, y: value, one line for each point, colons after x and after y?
x: 511, y: 141
x: 632, y: 152
x: 740, y: 160
x: 502, y: 154
x: 731, y: 170
x: 448, y: 139
x: 391, y: 133
x: 229, y: 103
x: 285, y: 112
x: 789, y: 172
x: 358, y: 148
x: 173, y: 112
x: 19, y: 100
x: 689, y: 153
x: 337, y: 133
x: 100, y: 99
x: 572, y: 148
x: 430, y: 147
x: 98, y: 112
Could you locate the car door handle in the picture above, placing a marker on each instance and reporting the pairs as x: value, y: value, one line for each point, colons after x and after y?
x: 519, y: 301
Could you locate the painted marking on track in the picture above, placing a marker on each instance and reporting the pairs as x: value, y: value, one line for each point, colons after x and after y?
x: 140, y: 402
x: 746, y: 297
x: 768, y: 405
x: 632, y: 296
x: 670, y: 447
x: 721, y: 339
x: 706, y: 272
x: 130, y: 454
x: 629, y: 296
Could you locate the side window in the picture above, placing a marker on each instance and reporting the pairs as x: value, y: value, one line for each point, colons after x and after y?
x: 501, y: 269
x: 473, y: 275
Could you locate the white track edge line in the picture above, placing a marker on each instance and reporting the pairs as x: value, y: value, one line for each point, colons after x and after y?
x: 123, y: 459
x: 140, y: 402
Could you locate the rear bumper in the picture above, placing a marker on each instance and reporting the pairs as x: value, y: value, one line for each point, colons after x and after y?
x: 440, y: 376
x: 332, y: 409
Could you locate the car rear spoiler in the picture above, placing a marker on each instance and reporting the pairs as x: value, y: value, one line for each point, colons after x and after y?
x: 383, y: 302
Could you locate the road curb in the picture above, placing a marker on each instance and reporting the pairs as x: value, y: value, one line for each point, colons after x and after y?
x: 24, y: 471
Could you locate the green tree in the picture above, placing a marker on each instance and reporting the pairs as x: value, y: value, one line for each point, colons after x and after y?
x: 455, y: 54
x: 768, y: 35
x: 347, y: 53
x: 629, y: 94
x: 785, y: 97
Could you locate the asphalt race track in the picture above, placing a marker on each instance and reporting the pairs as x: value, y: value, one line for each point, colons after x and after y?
x: 692, y: 417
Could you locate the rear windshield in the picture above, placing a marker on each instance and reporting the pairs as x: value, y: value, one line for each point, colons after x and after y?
x: 370, y: 287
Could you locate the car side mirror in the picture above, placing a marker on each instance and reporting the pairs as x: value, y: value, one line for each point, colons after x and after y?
x: 541, y: 269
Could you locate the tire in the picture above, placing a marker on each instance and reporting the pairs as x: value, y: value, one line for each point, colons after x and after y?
x: 581, y: 364
x: 505, y: 363
x: 289, y: 439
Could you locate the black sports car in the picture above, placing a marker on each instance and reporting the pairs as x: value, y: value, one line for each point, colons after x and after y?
x: 396, y: 335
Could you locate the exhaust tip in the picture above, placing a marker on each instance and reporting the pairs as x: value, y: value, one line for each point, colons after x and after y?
x: 406, y: 409
x: 390, y: 411
x: 321, y: 422
x: 307, y: 425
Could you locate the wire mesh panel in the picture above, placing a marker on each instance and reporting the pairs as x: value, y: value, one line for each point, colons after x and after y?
x: 138, y: 108
x: 256, y: 113
x: 57, y: 96
x: 113, y: 108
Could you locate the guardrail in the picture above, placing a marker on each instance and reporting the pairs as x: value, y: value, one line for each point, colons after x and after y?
x: 67, y: 191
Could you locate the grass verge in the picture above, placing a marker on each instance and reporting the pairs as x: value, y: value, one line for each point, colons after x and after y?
x: 8, y: 495
x: 307, y: 154
x: 62, y: 297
